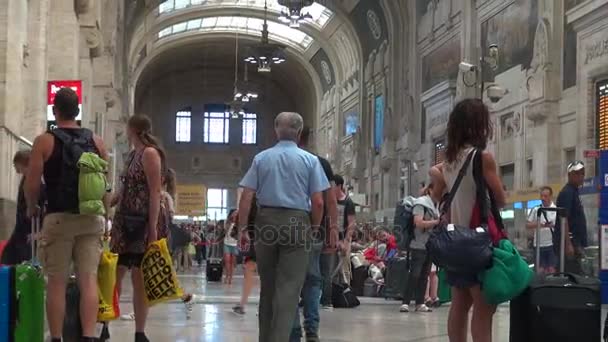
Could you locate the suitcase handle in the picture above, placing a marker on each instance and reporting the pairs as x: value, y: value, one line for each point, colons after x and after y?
x: 570, y: 276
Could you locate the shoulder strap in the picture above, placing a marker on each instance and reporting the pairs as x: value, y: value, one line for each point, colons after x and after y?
x: 450, y: 196
x: 62, y: 136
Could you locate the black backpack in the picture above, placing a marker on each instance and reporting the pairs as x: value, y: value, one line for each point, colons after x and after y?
x: 403, y: 224
x: 73, y: 148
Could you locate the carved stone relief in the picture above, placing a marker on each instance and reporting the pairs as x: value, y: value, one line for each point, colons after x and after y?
x: 94, y: 41
x: 536, y: 81
x: 510, y: 125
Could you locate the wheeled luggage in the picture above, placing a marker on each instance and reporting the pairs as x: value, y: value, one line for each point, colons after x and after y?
x: 397, y: 272
x: 29, y: 296
x: 558, y: 307
x: 215, y: 267
x: 7, y: 274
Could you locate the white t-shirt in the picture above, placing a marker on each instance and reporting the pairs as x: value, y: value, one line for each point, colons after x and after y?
x: 546, y: 233
x: 229, y: 240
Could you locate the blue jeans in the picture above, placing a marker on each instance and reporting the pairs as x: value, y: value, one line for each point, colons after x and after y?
x: 311, y: 295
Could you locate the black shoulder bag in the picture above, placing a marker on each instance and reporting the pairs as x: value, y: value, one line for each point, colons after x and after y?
x: 456, y: 248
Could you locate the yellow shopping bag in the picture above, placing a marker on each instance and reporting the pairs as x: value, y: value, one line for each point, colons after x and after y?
x: 160, y: 279
x: 106, y: 284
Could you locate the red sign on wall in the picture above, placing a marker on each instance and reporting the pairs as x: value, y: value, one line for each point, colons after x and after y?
x: 54, y: 86
x: 52, y: 89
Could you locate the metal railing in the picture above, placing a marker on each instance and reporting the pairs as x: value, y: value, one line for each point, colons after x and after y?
x: 10, y: 143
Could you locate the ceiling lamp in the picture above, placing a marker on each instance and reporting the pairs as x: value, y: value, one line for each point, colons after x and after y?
x: 248, y: 94
x: 266, y: 54
x: 294, y: 14
x: 236, y: 105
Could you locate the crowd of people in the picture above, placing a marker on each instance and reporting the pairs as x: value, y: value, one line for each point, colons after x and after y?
x: 295, y: 224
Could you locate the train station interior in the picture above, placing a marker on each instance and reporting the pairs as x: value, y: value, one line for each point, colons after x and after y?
x: 375, y: 82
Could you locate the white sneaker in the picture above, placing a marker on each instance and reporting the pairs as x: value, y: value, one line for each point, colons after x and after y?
x: 128, y: 317
x: 189, y: 304
x: 404, y: 308
x: 423, y: 308
x: 328, y: 307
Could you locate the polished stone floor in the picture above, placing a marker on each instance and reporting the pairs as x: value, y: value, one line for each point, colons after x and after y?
x: 375, y: 320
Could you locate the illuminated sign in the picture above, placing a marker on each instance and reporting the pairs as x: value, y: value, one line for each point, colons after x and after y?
x: 52, y: 89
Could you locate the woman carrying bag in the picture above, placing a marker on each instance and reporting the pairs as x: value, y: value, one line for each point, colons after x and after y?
x: 468, y: 132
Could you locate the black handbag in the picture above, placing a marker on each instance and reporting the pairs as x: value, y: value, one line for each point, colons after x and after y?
x: 455, y: 248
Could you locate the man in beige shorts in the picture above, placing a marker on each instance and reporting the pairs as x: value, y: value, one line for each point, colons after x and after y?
x: 67, y: 236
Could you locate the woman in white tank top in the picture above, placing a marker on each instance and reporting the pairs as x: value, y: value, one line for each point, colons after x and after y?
x: 469, y: 128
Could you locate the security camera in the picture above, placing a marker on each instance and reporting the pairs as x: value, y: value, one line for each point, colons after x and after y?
x: 415, y: 166
x: 496, y: 93
x: 467, y: 67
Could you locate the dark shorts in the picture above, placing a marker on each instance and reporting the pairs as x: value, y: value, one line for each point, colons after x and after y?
x: 547, y: 257
x: 130, y: 260
x: 462, y: 280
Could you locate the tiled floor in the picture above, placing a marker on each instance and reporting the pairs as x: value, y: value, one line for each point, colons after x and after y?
x: 375, y: 320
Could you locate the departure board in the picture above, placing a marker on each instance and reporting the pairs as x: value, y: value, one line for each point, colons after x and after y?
x: 602, y: 115
x: 440, y: 151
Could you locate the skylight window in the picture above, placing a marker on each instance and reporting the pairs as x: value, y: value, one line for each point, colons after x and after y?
x: 320, y: 14
x: 253, y: 26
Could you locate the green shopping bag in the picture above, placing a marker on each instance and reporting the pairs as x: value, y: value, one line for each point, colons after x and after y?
x: 508, y: 277
x: 444, y: 291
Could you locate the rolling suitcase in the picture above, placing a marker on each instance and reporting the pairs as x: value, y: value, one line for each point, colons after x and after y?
x: 397, y: 272
x: 29, y: 296
x: 7, y: 309
x: 215, y: 268
x: 560, y: 307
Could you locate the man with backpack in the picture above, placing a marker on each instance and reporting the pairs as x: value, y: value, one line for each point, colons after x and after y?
x: 74, y: 226
x: 346, y: 222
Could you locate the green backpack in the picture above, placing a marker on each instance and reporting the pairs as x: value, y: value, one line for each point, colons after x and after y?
x: 92, y: 184
x: 83, y: 173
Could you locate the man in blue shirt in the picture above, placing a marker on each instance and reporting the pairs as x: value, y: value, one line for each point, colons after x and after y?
x: 576, y: 222
x: 288, y: 183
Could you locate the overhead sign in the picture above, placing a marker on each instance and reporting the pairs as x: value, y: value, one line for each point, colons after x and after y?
x: 52, y: 89
x: 595, y: 154
x: 191, y: 200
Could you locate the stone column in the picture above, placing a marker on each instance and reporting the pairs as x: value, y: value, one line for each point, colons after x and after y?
x: 13, y: 38
x: 35, y: 62
x: 64, y: 41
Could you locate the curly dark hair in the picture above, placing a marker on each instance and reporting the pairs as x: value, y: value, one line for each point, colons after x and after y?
x: 469, y: 124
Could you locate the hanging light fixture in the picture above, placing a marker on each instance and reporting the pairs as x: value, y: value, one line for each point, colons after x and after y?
x: 236, y: 105
x: 248, y: 94
x: 294, y: 14
x: 266, y: 54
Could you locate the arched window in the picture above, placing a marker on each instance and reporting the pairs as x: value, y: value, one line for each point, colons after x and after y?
x: 217, y: 204
x: 216, y: 124
x: 250, y: 129
x: 183, y: 125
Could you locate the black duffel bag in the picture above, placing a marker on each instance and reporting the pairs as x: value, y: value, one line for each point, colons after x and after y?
x: 455, y: 248
x: 343, y: 296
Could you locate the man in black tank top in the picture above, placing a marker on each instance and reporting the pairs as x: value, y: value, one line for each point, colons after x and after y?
x: 66, y: 235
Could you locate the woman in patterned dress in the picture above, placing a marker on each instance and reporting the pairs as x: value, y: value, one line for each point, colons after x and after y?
x: 140, y: 198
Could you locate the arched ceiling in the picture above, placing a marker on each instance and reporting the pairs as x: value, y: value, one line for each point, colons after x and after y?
x: 175, y: 32
x: 212, y: 60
